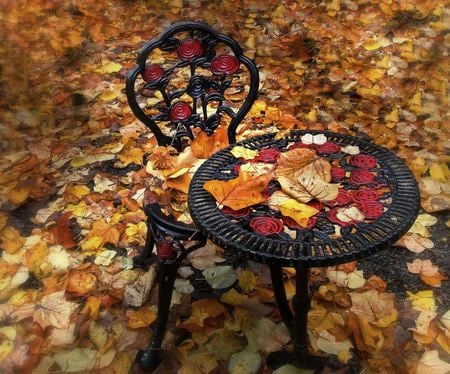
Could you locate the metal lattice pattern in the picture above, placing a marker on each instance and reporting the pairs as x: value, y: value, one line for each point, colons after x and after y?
x: 324, y: 252
x: 192, y: 83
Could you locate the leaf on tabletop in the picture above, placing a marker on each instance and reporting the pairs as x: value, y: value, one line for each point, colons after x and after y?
x: 54, y: 310
x: 298, y: 211
x: 309, y: 183
x: 290, y: 162
x: 239, y: 151
x: 377, y: 308
x: 204, y: 146
x: 240, y: 192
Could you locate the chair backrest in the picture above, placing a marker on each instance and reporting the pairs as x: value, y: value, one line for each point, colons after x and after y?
x: 191, y: 77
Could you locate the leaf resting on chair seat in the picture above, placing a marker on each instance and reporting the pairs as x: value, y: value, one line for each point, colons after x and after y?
x: 241, y: 192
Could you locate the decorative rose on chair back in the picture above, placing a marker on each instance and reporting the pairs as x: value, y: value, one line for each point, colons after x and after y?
x: 190, y: 49
x: 152, y: 73
x: 180, y: 111
x: 224, y: 64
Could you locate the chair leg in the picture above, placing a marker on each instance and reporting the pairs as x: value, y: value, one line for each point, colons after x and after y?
x: 140, y: 260
x: 276, y: 273
x: 150, y: 358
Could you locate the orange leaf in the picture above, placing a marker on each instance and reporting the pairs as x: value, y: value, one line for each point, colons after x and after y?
x: 62, y: 232
x: 434, y: 280
x: 109, y: 234
x: 241, y: 192
x: 81, y: 283
x: 180, y: 184
x: 204, y: 146
x: 142, y: 317
x: 11, y: 240
x: 291, y: 161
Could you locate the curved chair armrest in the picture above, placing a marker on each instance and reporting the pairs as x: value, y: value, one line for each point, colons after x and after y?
x: 178, y: 230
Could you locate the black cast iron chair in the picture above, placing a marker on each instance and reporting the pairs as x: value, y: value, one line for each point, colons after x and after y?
x: 207, y: 66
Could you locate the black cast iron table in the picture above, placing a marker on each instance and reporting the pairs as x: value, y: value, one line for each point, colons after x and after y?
x: 313, y: 247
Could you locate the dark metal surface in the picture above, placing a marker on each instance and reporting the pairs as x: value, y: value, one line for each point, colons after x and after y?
x: 201, y: 88
x: 324, y: 251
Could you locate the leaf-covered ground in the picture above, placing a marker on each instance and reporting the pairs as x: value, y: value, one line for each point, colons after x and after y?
x: 76, y: 167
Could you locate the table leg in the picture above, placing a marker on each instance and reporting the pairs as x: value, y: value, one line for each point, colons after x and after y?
x: 276, y: 273
x: 302, y: 304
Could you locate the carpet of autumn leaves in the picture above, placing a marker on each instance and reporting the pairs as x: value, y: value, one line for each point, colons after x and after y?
x: 76, y: 167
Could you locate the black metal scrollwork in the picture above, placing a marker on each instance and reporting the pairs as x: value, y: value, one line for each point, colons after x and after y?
x: 208, y: 101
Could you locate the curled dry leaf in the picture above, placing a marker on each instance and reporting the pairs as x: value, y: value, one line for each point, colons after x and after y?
x: 290, y: 162
x: 240, y: 192
x: 311, y: 182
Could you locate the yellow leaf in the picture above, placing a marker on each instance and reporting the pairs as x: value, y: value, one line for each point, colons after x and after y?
x: 233, y: 297
x: 132, y: 156
x: 240, y: 192
x: 108, y: 95
x: 77, y: 190
x: 110, y: 67
x: 11, y: 240
x: 35, y: 259
x: 422, y: 300
x: 18, y: 195
x: 5, y: 349
x: 375, y: 74
x: 78, y: 210
x: 78, y: 162
x: 94, y: 243
x: 298, y: 211
x: 3, y: 220
x: 371, y: 45
x: 242, y: 152
x: 439, y: 171
x: 247, y: 280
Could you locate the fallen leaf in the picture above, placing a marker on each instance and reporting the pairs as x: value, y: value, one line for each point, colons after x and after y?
x: 143, y: 317
x: 245, y: 362
x: 290, y: 162
x: 239, y: 151
x: 267, y: 335
x: 54, y: 310
x: 310, y: 182
x: 298, y: 211
x: 430, y: 363
x: 204, y: 146
x: 11, y: 240
x: 327, y: 343
x: 422, y: 300
x: 220, y: 276
x: 377, y: 308
x: 241, y: 192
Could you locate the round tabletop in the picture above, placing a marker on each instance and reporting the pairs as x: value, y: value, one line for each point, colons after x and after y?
x: 378, y: 199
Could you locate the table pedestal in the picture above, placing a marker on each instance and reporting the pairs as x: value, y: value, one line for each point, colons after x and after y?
x: 297, y: 325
